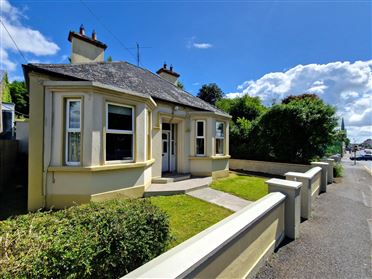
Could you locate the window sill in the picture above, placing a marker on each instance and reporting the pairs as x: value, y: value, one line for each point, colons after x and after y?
x: 102, y: 168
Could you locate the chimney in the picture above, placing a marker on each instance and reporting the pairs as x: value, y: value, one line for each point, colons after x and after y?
x: 85, y: 49
x: 82, y: 30
x: 169, y: 75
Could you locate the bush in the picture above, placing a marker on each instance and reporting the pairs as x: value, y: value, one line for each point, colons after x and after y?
x: 294, y: 132
x: 338, y: 170
x: 97, y: 240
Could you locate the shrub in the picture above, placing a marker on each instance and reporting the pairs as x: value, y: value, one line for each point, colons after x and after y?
x: 98, y: 240
x: 338, y: 170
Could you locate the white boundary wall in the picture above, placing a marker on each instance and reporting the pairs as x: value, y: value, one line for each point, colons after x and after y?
x: 267, y: 167
x: 233, y: 248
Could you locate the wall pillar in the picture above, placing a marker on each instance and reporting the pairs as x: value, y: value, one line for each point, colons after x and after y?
x: 291, y: 189
x: 324, y: 179
x: 331, y: 164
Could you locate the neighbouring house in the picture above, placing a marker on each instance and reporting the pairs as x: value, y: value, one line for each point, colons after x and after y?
x: 102, y: 129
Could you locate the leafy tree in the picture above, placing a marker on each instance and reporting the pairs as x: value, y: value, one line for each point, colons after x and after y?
x: 291, y: 98
x: 180, y: 85
x: 20, y: 97
x: 210, y: 93
x: 6, y: 98
x: 294, y: 132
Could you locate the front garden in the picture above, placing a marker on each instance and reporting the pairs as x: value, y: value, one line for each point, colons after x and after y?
x: 242, y: 185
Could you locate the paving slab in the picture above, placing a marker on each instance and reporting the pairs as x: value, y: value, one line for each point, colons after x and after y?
x: 336, y: 242
x: 226, y: 200
x: 179, y: 187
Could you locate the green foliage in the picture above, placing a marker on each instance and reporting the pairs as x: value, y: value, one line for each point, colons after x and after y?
x: 293, y: 132
x: 242, y: 107
x: 109, y: 59
x: 210, y: 93
x: 6, y: 98
x: 338, y: 170
x: 247, y: 187
x: 98, y: 240
x: 291, y: 98
x: 180, y: 85
x: 20, y: 97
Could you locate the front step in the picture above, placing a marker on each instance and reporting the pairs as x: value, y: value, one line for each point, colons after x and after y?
x: 170, y: 179
x: 177, y: 188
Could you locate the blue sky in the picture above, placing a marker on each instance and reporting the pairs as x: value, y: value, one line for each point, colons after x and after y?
x: 243, y: 46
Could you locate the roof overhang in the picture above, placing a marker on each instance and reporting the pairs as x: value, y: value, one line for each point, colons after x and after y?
x: 99, y: 88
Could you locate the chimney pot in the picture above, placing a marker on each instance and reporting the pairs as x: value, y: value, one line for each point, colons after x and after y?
x: 82, y: 30
x: 94, y: 35
x: 171, y: 68
x: 164, y: 65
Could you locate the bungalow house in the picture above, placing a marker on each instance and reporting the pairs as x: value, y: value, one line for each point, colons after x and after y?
x: 101, y: 129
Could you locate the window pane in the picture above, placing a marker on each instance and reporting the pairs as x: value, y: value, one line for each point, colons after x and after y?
x: 220, y: 129
x: 119, y: 118
x: 165, y: 126
x: 199, y: 146
x: 73, y: 143
x: 119, y: 147
x: 219, y: 146
x: 74, y: 114
x: 165, y: 147
x: 199, y: 129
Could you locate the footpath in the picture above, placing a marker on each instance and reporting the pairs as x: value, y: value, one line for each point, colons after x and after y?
x: 337, y: 241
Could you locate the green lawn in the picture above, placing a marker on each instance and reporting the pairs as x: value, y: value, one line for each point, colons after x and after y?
x: 188, y: 215
x: 245, y: 186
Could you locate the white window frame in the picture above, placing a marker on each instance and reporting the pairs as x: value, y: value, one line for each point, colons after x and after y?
x: 71, y: 130
x: 125, y: 132
x: 200, y: 137
x: 219, y: 137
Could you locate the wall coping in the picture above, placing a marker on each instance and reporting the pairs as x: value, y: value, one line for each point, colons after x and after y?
x: 284, y: 183
x: 184, y: 258
x: 319, y: 163
x: 309, y: 174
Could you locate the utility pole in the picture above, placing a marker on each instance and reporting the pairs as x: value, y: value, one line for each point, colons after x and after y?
x: 138, y: 57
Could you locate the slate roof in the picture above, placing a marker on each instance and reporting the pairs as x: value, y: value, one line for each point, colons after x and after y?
x: 128, y: 77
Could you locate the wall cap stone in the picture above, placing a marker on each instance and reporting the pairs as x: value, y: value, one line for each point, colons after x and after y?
x: 284, y: 183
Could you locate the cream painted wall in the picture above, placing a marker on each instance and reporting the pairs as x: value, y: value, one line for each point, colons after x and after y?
x: 82, y: 51
x: 47, y: 142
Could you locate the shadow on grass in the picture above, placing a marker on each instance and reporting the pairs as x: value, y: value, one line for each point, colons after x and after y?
x: 258, y: 174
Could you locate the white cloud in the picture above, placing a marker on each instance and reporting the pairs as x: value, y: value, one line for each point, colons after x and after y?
x: 29, y: 41
x: 191, y: 43
x: 202, y: 45
x: 346, y: 85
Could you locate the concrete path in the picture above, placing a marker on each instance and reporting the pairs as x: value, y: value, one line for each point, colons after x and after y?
x: 226, y: 200
x: 180, y: 187
x: 336, y: 243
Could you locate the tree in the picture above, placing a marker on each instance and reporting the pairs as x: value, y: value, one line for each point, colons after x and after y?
x: 180, y: 85
x: 295, y: 132
x: 210, y: 93
x: 6, y: 98
x: 291, y: 98
x: 109, y: 59
x: 20, y: 97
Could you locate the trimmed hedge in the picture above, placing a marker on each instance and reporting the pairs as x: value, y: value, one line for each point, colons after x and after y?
x: 97, y: 240
x: 338, y: 170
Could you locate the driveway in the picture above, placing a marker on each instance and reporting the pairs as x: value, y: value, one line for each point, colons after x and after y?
x: 336, y: 242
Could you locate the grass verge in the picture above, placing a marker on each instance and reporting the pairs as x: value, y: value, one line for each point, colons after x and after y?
x: 188, y: 215
x: 242, y: 185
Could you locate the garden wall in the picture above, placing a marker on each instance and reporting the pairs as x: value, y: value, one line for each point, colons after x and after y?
x: 274, y: 168
x: 232, y: 248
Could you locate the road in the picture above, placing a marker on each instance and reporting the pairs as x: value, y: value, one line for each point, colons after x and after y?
x: 336, y: 242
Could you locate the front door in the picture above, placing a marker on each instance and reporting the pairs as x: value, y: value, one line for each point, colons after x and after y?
x: 165, y: 152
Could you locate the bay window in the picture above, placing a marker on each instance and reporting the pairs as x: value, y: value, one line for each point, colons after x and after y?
x: 73, y: 131
x: 220, y: 138
x: 119, y: 132
x: 200, y: 138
